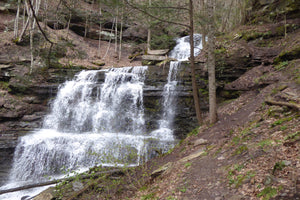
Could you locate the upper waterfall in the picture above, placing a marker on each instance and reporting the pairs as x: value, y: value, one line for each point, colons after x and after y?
x: 181, y: 52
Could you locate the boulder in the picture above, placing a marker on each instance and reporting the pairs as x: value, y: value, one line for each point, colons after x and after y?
x: 48, y: 194
x: 135, y: 33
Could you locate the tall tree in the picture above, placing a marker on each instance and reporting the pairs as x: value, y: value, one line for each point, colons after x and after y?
x: 211, y: 63
x: 192, y: 60
x: 149, y: 33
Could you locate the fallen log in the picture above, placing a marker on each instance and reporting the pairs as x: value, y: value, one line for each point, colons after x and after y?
x: 82, y: 177
x: 153, y: 57
x: 279, y: 103
x: 160, y: 52
x: 134, y: 56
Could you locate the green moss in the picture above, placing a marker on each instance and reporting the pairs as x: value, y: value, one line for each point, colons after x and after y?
x: 293, y: 136
x: 280, y: 121
x: 230, y: 94
x: 288, y: 55
x: 221, y: 50
x: 99, y: 63
x: 241, y: 149
x: 203, y: 91
x: 268, y: 193
x: 195, y: 131
x: 253, y: 35
x: 4, y: 86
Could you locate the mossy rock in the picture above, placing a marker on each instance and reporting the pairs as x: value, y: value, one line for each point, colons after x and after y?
x: 229, y: 94
x: 19, y: 88
x: 288, y: 55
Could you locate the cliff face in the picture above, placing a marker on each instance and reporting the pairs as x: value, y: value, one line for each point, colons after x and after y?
x: 25, y: 102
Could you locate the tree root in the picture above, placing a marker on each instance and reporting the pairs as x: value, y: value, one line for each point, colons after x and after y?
x: 278, y: 103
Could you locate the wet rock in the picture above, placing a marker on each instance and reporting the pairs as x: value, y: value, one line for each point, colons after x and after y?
x: 287, y: 163
x: 200, y: 142
x: 135, y: 33
x: 194, y: 155
x: 46, y: 195
x: 31, y: 118
x: 161, y: 170
x: 77, y: 186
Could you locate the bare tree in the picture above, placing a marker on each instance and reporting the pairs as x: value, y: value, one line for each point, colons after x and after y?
x: 192, y: 60
x: 211, y: 63
x: 149, y: 32
x: 16, y: 24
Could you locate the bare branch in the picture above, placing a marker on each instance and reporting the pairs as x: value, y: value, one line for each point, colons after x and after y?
x: 43, y: 33
x: 154, y: 17
x: 170, y: 7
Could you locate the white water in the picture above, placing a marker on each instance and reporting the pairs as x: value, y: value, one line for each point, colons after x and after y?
x: 181, y: 52
x: 96, y: 124
x: 89, y: 124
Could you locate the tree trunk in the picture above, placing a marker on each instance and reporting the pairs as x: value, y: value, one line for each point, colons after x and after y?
x: 121, y: 31
x: 16, y: 25
x: 203, y: 32
x: 192, y: 60
x: 112, y: 28
x: 100, y: 29
x: 116, y: 31
x: 31, y: 44
x: 149, y: 33
x: 211, y: 65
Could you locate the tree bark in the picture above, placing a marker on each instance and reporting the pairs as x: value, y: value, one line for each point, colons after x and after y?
x: 121, y: 31
x: 149, y: 32
x: 100, y: 30
x: 211, y: 65
x: 192, y: 60
x: 16, y: 24
x: 203, y: 32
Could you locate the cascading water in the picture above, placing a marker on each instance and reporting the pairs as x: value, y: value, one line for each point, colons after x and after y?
x: 98, y: 124
x: 89, y: 124
x: 181, y: 52
x: 86, y: 118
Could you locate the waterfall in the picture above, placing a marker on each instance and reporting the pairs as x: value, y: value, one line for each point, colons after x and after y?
x: 92, y: 123
x: 181, y: 52
x: 116, y: 107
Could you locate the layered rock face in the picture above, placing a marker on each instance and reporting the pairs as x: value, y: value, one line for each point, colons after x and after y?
x: 25, y: 105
